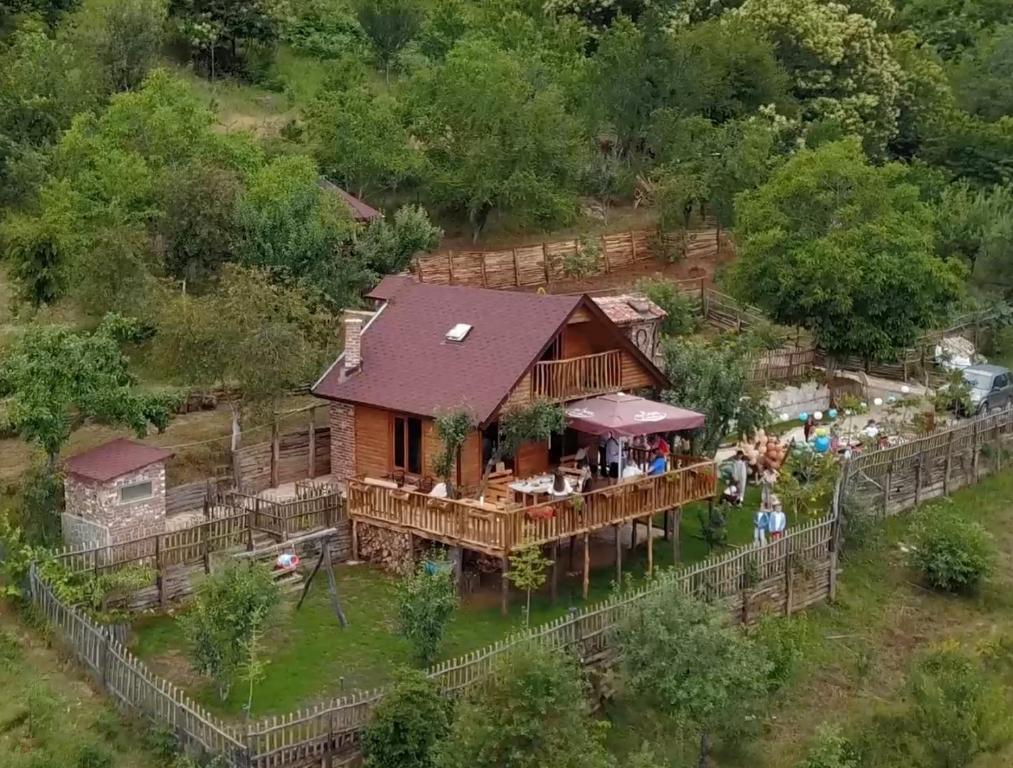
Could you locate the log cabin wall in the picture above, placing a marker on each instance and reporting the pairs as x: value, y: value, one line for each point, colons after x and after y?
x: 372, y: 441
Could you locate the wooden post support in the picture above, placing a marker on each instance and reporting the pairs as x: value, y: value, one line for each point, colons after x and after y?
x: 569, y: 554
x: 676, y: 532
x: 650, y: 546
x: 355, y: 540
x: 311, y: 453
x: 517, y: 269
x: 205, y: 549
x: 787, y: 584
x: 918, y: 481
x: 604, y: 254
x: 619, y: 556
x: 504, y: 597
x: 668, y: 521
x: 159, y: 576
x: 554, y: 580
x: 275, y: 452
x: 545, y: 265
x: 633, y: 534
x: 587, y: 565
x: 974, y: 452
x: 949, y: 463
x: 887, y: 483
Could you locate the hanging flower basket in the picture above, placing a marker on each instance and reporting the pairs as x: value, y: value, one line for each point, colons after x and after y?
x: 440, y: 505
x: 540, y: 513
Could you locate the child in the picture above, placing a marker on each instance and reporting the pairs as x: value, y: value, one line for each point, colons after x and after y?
x: 761, y: 521
x: 731, y: 496
x: 777, y: 522
x: 768, y: 479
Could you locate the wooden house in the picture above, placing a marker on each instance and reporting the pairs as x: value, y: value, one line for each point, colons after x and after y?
x: 429, y: 349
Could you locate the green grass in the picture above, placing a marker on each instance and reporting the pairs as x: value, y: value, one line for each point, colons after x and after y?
x: 861, y: 648
x: 311, y: 657
x: 49, y: 713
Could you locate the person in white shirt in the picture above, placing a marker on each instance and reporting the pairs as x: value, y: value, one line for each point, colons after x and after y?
x: 777, y: 521
x: 612, y: 455
x: 871, y: 429
x: 631, y: 470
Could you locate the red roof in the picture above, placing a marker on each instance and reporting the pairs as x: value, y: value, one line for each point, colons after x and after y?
x: 114, y: 458
x: 408, y: 365
x: 360, y: 210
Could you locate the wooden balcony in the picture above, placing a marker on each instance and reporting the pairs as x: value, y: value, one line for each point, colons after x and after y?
x: 576, y: 377
x: 498, y: 530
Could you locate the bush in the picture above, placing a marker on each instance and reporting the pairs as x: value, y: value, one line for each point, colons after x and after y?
x: 952, y: 554
x: 407, y: 723
x: 585, y: 259
x: 426, y: 602
x: 784, y: 642
x: 681, y: 320
x: 831, y: 749
x: 91, y: 756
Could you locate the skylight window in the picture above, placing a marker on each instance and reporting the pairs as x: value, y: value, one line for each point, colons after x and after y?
x: 459, y: 332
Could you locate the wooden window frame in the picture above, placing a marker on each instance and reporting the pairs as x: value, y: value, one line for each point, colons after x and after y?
x: 406, y: 419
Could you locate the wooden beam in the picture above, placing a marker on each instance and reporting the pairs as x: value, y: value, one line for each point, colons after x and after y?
x: 554, y: 581
x: 619, y: 556
x: 587, y: 564
x: 275, y: 453
x: 650, y: 545
x: 355, y: 540
x: 676, y: 532
x: 668, y: 521
x: 311, y: 454
x: 504, y: 598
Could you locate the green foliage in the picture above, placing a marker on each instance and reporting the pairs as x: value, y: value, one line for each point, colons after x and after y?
x: 958, y: 710
x: 830, y: 749
x: 534, y: 422
x: 388, y: 247
x: 976, y: 225
x: 584, y: 260
x: 784, y: 642
x: 951, y: 553
x: 124, y: 37
x: 527, y: 572
x: 390, y: 25
x: 452, y: 429
x: 842, y: 248
x: 983, y: 78
x: 806, y: 483
x: 52, y: 379
x: 427, y: 599
x: 324, y: 28
x: 221, y: 32
x: 713, y: 379
x: 953, y: 395
x: 407, y: 724
x: 496, y: 137
x: 713, y: 528
x: 681, y: 318
x: 92, y: 756
x: 231, y: 605
x: 531, y: 712
x: 682, y: 655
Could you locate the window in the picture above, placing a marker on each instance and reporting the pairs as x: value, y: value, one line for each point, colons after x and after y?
x: 1001, y: 381
x: 135, y: 492
x: 408, y: 444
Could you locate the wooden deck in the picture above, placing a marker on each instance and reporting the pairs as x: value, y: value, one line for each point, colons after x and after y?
x: 576, y: 377
x: 498, y: 531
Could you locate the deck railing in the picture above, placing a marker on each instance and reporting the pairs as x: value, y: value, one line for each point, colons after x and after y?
x: 497, y: 532
x: 575, y: 377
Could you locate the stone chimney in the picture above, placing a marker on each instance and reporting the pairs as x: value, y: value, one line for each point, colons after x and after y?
x: 353, y: 343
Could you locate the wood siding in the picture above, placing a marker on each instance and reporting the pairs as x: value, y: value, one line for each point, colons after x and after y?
x: 531, y: 459
x: 635, y: 374
x: 471, y: 460
x: 372, y: 441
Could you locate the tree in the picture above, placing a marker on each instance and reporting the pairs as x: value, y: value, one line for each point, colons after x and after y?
x: 390, y: 26
x: 388, y: 246
x: 199, y: 224
x: 976, y: 225
x: 52, y: 379
x: 527, y: 572
x: 37, y: 250
x: 531, y: 712
x: 250, y: 334
x: 219, y: 31
x: 496, y: 138
x: 359, y: 140
x: 844, y: 249
x: 714, y: 379
x: 426, y: 603
x: 534, y: 422
x: 682, y: 656
x: 407, y: 724
x: 831, y: 750
x: 231, y: 606
x: 124, y: 37
x: 452, y: 428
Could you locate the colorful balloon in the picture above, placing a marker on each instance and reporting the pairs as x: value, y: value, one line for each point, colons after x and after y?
x: 803, y: 417
x: 832, y: 413
x: 878, y: 401
x: 822, y: 444
x: 818, y: 415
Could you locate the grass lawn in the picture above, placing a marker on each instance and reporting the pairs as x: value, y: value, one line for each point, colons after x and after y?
x: 50, y: 716
x: 311, y: 657
x: 861, y: 648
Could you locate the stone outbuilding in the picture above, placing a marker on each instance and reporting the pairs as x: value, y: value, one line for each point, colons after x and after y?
x: 115, y: 492
x: 638, y: 317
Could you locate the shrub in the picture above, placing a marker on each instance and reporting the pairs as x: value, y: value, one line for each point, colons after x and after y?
x: 952, y: 554
x: 426, y: 603
x: 585, y: 259
x: 91, y: 756
x: 407, y: 723
x: 10, y: 649
x: 957, y: 711
x: 830, y: 749
x: 681, y: 319
x: 784, y: 642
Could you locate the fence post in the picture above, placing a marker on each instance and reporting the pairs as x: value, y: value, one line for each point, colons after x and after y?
x: 886, y: 489
x: 974, y: 452
x: 159, y: 578
x: 103, y: 663
x: 788, y: 586
x: 251, y: 518
x: 275, y: 452
x: 949, y: 462
x: 918, y: 480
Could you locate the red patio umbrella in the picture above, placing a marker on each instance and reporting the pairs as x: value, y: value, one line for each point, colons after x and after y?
x: 629, y: 416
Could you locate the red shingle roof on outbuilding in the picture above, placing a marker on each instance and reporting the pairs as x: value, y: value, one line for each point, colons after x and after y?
x: 115, y: 458
x: 360, y: 211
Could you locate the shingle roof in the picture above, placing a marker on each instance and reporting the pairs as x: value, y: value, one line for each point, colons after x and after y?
x: 114, y: 458
x: 409, y: 366
x: 360, y: 211
x: 627, y: 308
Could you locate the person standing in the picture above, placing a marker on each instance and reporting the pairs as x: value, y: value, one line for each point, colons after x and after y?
x: 740, y: 472
x: 777, y: 521
x: 761, y: 522
x: 810, y: 426
x: 612, y: 456
x: 767, y: 480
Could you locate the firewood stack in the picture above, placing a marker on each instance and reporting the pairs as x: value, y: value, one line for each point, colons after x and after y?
x: 390, y: 550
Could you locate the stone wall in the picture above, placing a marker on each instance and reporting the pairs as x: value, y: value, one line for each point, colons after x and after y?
x: 78, y: 532
x: 342, y: 416
x: 807, y: 397
x: 99, y: 503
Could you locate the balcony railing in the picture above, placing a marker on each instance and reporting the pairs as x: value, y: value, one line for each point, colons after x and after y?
x: 497, y: 531
x: 576, y: 377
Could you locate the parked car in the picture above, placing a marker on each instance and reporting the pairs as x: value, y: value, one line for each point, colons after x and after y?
x: 991, y: 387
